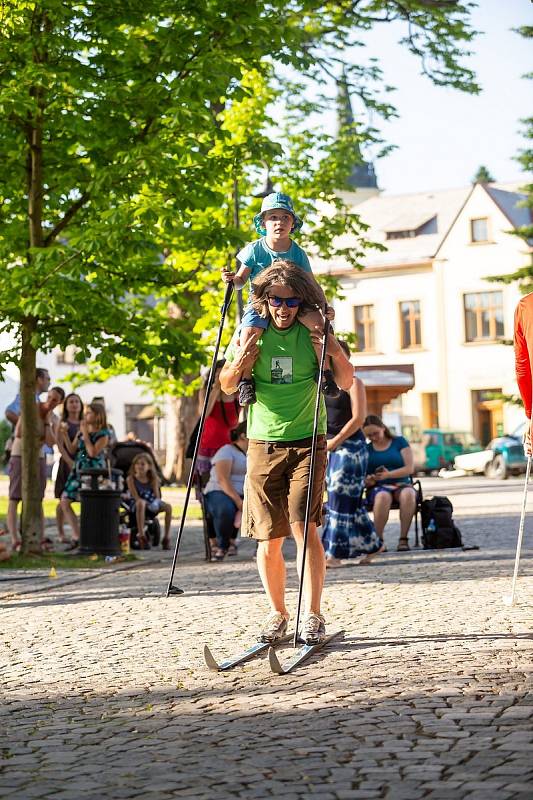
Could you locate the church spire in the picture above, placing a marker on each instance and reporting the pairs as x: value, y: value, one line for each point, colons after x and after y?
x: 362, y: 175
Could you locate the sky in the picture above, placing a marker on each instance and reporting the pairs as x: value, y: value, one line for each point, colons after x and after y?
x: 444, y: 135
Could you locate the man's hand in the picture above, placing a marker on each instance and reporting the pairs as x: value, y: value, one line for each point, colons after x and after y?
x: 317, y: 337
x: 245, y: 357
x: 526, y: 441
x: 227, y: 275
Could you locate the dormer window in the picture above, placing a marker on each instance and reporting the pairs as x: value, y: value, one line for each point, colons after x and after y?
x: 400, y: 234
x: 479, y: 230
x: 413, y: 225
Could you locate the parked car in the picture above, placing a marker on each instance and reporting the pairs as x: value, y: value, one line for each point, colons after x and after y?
x: 438, y: 449
x: 503, y: 456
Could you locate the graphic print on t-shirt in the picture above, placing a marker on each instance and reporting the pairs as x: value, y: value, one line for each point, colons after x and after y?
x: 281, y: 369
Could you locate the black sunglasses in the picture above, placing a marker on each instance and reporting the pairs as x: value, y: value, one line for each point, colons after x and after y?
x: 290, y: 302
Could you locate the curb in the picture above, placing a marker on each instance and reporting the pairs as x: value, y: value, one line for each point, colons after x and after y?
x: 79, y: 579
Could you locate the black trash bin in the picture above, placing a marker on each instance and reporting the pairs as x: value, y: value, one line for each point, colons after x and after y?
x: 100, y: 511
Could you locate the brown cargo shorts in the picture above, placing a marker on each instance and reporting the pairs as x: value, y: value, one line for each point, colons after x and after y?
x: 275, y: 491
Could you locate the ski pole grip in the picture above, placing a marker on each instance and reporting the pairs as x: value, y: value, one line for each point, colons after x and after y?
x: 227, y: 295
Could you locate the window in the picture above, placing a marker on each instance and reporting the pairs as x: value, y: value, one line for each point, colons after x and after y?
x: 411, y: 331
x: 479, y: 230
x: 483, y: 316
x: 407, y: 234
x: 364, y: 327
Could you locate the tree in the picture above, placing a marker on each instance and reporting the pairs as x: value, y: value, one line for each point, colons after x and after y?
x: 524, y: 275
x: 483, y: 176
x: 119, y: 164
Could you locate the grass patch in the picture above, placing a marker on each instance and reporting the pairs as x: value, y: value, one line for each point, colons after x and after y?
x: 49, y: 506
x: 61, y: 561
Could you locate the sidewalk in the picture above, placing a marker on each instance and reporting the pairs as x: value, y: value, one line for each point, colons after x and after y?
x: 105, y: 694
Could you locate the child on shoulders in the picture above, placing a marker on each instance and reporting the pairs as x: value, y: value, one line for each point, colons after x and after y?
x: 275, y: 222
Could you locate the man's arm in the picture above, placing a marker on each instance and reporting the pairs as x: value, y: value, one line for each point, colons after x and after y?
x: 522, y: 364
x: 244, y: 358
x: 342, y: 366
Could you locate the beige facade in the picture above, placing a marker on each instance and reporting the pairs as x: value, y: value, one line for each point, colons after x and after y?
x: 426, y: 302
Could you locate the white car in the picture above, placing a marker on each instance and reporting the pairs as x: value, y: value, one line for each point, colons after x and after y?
x: 474, y: 463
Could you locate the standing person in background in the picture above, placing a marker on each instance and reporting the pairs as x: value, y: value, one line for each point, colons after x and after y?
x: 100, y: 401
x: 46, y: 437
x: 222, y: 416
x: 67, y: 443
x: 348, y: 530
x: 523, y: 347
x: 42, y: 384
x: 389, y: 471
x: 12, y: 412
x: 92, y: 439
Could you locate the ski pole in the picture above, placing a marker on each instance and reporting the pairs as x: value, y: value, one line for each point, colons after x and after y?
x: 311, y: 472
x: 509, y: 599
x: 171, y: 589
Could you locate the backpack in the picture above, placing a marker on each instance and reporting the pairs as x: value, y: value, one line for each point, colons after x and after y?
x: 438, y: 527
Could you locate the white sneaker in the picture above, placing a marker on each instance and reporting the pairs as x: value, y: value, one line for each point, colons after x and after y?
x: 313, y: 630
x: 274, y: 628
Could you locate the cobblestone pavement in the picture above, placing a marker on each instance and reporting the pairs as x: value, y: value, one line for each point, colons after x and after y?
x: 105, y: 694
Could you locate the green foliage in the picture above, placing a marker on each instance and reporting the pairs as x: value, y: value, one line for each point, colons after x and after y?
x: 483, y: 175
x: 135, y: 122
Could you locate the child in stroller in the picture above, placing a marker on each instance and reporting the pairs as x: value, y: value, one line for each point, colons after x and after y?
x: 142, y: 503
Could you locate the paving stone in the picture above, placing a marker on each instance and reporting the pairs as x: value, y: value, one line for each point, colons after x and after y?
x: 106, y: 696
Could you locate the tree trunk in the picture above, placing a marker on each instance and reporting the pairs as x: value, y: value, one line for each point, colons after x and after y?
x: 31, y: 438
x: 31, y: 445
x: 182, y: 418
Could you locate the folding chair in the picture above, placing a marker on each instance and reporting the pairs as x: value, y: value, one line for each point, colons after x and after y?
x: 417, y: 486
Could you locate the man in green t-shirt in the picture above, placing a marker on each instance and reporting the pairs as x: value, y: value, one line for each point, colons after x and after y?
x: 280, y: 429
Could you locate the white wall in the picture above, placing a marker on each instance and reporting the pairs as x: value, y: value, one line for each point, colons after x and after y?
x: 463, y: 267
x: 385, y: 291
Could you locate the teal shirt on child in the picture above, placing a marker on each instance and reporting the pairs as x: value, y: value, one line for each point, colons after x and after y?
x: 257, y: 256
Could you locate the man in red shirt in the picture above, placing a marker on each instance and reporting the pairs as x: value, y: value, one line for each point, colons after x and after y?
x: 523, y: 347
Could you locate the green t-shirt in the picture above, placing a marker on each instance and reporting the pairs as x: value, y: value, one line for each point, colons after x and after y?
x: 285, y: 386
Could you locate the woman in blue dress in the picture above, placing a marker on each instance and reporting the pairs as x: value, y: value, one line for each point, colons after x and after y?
x: 92, y: 439
x: 390, y: 467
x: 348, y: 530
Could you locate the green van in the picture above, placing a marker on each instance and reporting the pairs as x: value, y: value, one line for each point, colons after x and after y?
x: 437, y: 449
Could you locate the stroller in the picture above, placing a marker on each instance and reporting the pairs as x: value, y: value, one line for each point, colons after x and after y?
x: 121, y: 456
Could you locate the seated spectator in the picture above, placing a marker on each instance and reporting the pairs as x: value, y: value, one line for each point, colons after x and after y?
x: 224, y: 492
x: 222, y: 417
x: 145, y: 490
x: 389, y: 471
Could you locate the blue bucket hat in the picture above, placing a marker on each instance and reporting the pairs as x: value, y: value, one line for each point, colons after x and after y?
x: 272, y: 201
